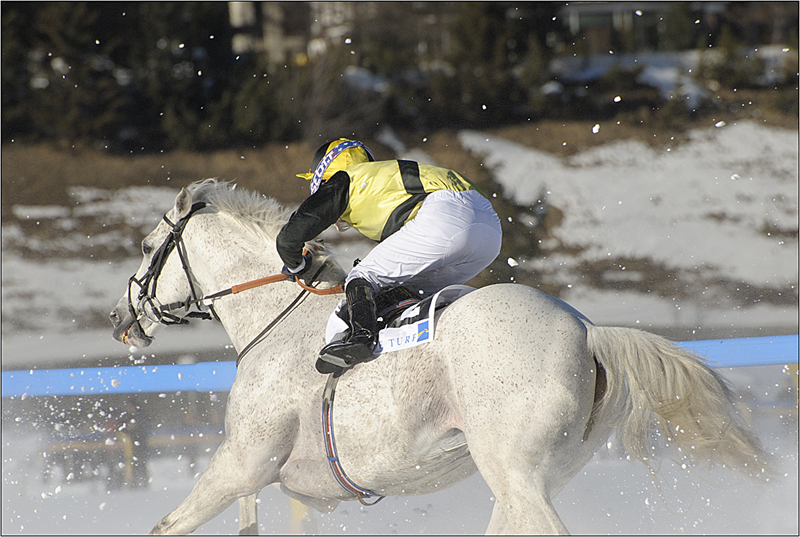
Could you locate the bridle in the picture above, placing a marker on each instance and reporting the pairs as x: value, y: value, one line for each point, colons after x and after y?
x: 149, y: 306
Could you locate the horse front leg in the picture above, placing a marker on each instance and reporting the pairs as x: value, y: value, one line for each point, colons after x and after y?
x: 233, y: 473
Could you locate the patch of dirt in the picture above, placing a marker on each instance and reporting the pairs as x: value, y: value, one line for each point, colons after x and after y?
x: 43, y: 174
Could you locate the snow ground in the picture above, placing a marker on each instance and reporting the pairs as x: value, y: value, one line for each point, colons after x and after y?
x: 720, y: 207
x: 701, y: 205
x: 610, y: 495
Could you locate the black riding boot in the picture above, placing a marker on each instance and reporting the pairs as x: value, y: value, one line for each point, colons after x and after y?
x: 363, y: 331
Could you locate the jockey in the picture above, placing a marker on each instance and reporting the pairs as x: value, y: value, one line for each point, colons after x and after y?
x: 433, y: 227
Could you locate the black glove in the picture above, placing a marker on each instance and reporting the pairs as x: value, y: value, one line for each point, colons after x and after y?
x: 305, y: 264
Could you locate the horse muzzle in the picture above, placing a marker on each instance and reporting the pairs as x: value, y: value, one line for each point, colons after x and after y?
x: 127, y: 329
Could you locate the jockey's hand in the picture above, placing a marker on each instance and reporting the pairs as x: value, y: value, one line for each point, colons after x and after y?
x: 305, y: 264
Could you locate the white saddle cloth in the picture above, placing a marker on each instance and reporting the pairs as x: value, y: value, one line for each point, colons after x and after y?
x: 409, y: 335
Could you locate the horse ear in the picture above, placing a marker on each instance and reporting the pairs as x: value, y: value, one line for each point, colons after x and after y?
x: 183, y: 203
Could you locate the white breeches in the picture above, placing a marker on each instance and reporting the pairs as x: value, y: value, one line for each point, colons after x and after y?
x: 454, y: 236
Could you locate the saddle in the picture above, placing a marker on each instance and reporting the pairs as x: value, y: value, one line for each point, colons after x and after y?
x: 404, y: 320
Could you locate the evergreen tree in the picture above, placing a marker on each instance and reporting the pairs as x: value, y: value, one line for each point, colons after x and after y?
x: 153, y: 74
x: 182, y: 63
x: 16, y: 86
x: 63, y: 57
x: 681, y: 32
x: 498, y: 54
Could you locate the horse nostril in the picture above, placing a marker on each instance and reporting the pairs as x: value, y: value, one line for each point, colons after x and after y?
x: 114, y: 318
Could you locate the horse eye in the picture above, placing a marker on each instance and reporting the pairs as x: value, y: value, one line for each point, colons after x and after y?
x: 146, y: 249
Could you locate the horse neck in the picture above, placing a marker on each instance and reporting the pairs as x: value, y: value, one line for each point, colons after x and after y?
x: 222, y: 254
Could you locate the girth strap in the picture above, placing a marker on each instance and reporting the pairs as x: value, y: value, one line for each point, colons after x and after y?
x: 330, y: 446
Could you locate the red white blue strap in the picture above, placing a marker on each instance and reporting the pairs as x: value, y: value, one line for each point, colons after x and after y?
x: 316, y: 179
x: 330, y: 446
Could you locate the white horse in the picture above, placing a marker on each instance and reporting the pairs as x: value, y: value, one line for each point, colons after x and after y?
x: 517, y: 385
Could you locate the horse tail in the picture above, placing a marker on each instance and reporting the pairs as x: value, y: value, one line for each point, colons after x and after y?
x: 652, y: 381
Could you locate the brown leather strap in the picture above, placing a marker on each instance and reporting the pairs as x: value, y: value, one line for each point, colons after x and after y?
x: 261, y: 281
x: 329, y: 291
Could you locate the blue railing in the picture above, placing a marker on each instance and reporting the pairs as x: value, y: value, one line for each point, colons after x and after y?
x: 219, y: 376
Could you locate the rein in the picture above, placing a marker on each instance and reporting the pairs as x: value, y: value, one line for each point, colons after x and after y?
x: 271, y: 279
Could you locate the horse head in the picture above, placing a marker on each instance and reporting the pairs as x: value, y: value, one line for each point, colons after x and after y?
x: 166, y: 285
x: 160, y: 279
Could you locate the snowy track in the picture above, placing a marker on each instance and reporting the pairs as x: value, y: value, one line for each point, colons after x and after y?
x: 610, y: 495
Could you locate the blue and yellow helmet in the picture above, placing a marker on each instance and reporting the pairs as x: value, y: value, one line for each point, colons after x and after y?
x: 334, y: 156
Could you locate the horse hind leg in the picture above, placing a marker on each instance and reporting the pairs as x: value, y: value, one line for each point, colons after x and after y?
x: 520, y: 508
x: 248, y: 515
x: 519, y: 471
x: 528, y: 443
x: 600, y: 388
x: 527, y: 452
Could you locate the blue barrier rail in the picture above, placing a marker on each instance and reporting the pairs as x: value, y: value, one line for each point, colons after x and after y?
x: 747, y: 351
x: 219, y: 376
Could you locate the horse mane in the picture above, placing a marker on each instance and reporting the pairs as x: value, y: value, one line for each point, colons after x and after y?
x: 258, y: 213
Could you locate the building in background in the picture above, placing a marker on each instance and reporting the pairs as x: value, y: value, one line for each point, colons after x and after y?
x: 296, y: 31
x: 670, y: 26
